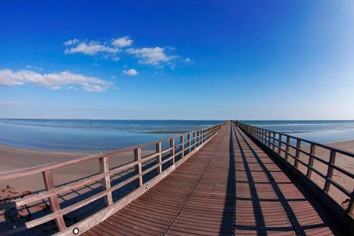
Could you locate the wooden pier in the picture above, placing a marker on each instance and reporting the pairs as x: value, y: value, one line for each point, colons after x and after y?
x: 230, y: 179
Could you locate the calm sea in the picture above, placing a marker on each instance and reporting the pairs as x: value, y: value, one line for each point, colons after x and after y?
x: 104, y: 135
x: 90, y: 135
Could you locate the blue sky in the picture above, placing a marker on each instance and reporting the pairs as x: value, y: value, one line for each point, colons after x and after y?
x: 177, y: 59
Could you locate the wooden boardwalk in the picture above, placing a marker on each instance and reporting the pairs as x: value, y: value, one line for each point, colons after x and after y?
x: 228, y: 187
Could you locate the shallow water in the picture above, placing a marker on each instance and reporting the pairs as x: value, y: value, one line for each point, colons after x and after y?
x: 90, y: 135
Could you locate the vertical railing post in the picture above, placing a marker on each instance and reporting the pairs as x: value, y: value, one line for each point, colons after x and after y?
x: 287, y: 147
x: 138, y: 167
x: 53, y: 199
x: 159, y: 158
x: 181, y: 141
x: 269, y: 138
x: 189, y: 142
x: 259, y: 134
x: 106, y: 181
x: 198, y: 138
x: 312, y: 153
x: 172, y: 152
x: 332, y: 160
x: 273, y: 141
x: 280, y: 143
x: 297, y: 153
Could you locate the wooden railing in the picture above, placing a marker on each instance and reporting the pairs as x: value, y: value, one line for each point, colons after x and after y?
x: 146, y: 171
x: 301, y: 154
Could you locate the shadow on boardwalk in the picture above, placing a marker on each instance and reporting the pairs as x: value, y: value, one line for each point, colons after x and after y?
x: 228, y: 218
x: 280, y: 202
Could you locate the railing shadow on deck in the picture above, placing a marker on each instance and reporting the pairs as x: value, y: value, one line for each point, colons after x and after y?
x: 227, y: 226
x: 308, y: 196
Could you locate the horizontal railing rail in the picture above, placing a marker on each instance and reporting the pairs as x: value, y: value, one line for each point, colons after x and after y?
x: 159, y: 163
x: 297, y: 151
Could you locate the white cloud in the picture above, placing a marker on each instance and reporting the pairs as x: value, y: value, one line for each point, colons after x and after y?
x: 91, y: 48
x: 53, y: 80
x: 131, y: 72
x: 188, y: 60
x: 113, y: 49
x: 122, y: 42
x: 71, y: 42
x: 9, y: 102
x: 152, y: 56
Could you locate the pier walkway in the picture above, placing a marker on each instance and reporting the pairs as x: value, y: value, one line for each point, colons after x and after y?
x: 230, y: 186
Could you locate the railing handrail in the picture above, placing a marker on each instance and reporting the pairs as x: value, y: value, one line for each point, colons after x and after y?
x: 344, y: 152
x: 5, y: 175
x: 270, y: 141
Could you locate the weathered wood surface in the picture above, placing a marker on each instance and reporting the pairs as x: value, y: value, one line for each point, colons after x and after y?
x: 229, y: 187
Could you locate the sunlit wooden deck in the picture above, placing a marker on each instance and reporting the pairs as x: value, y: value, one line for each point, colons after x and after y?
x: 230, y: 186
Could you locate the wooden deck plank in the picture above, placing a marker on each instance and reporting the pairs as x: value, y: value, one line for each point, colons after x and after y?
x: 230, y: 186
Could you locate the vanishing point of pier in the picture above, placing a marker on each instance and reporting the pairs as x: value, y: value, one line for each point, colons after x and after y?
x: 229, y: 179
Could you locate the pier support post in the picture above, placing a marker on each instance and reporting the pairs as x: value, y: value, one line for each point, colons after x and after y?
x: 332, y: 160
x: 297, y: 153
x: 287, y: 147
x: 159, y: 158
x: 312, y: 153
x: 189, y: 142
x: 181, y: 141
x: 53, y: 199
x: 106, y: 181
x: 280, y: 143
x: 172, y: 152
x: 138, y: 167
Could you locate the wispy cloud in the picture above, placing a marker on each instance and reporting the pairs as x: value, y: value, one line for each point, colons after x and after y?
x: 152, y: 56
x: 107, y: 50
x: 71, y: 42
x: 91, y: 48
x: 54, y: 81
x: 122, y: 42
x: 9, y: 102
x: 131, y: 72
x: 115, y: 48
